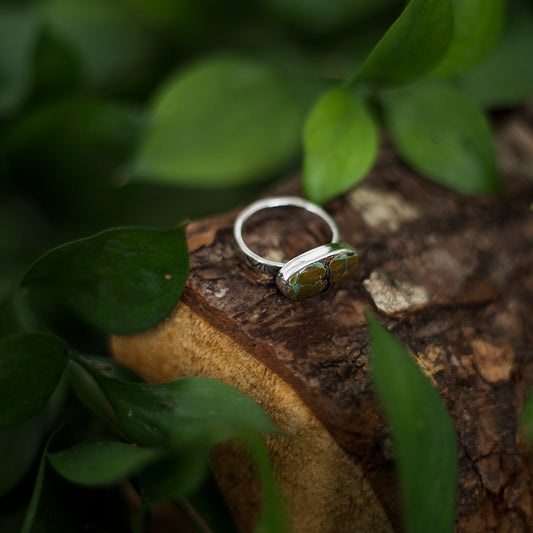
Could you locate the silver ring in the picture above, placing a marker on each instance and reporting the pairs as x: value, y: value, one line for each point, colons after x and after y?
x: 311, y: 272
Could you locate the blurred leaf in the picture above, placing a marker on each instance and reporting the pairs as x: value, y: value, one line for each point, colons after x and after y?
x: 140, y: 519
x: 31, y: 366
x: 477, y: 26
x: 161, y: 12
x: 505, y: 78
x: 102, y: 463
x: 224, y: 121
x: 113, y: 47
x: 17, y: 315
x: 341, y: 143
x: 89, y: 391
x: 68, y: 156
x: 111, y: 368
x: 443, y: 134
x: 23, y: 232
x: 29, y: 519
x: 20, y: 445
x: 188, y: 411
x: 208, y: 505
x: 174, y: 477
x: 413, y: 45
x: 274, y: 517
x: 19, y: 29
x: 526, y: 419
x: 123, y: 280
x: 423, y: 434
x: 320, y: 16
x: 58, y: 71
x: 92, y: 396
x: 188, y: 24
x: 344, y: 53
x: 33, y: 507
x: 60, y: 506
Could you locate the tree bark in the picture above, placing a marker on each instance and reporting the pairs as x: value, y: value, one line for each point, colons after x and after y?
x: 450, y: 275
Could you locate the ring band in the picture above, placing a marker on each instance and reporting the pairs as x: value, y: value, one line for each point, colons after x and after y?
x: 311, y: 272
x: 262, y: 263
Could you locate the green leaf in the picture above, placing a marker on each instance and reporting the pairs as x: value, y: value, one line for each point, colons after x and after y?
x: 341, y: 144
x: 20, y: 445
x: 123, y: 280
x: 92, y: 396
x: 223, y: 121
x: 505, y: 78
x: 423, y: 434
x: 19, y: 30
x: 33, y: 507
x: 412, y: 46
x: 79, y: 146
x: 61, y: 506
x: 175, y: 476
x: 206, y: 508
x: 121, y: 52
x: 443, y: 135
x: 16, y: 314
x: 102, y: 463
x: 165, y: 15
x: 89, y: 391
x: 526, y: 419
x: 320, y: 16
x: 111, y: 368
x: 31, y: 366
x: 477, y: 26
x: 34, y: 502
x: 274, y: 517
x: 188, y: 411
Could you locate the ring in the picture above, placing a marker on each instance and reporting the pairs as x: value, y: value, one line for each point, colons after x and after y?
x: 311, y: 272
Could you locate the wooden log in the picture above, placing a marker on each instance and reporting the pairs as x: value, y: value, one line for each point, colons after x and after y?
x: 450, y: 275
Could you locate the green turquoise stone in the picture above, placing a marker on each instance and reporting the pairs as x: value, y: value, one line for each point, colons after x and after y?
x: 342, y: 267
x: 309, y: 281
x: 328, y: 269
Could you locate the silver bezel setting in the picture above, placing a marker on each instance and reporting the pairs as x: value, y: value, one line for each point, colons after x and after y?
x: 316, y: 255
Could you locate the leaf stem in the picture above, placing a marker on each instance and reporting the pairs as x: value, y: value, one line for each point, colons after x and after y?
x: 194, y: 517
x: 39, y: 480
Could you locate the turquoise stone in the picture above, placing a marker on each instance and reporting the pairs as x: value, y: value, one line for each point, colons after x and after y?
x: 309, y: 281
x: 328, y: 266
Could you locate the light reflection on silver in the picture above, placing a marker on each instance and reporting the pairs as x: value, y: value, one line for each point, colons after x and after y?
x: 316, y: 255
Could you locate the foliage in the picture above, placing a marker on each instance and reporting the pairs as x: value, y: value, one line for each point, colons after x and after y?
x: 129, y: 113
x: 166, y: 429
x: 399, y: 57
x: 453, y: 149
x: 423, y: 434
x: 201, y: 128
x: 340, y: 140
x: 138, y: 269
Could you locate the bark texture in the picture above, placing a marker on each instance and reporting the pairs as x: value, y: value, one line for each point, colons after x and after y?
x: 450, y: 275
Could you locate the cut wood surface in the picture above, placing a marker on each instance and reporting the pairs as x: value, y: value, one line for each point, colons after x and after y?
x: 450, y: 275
